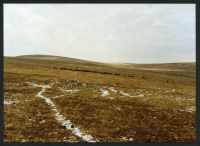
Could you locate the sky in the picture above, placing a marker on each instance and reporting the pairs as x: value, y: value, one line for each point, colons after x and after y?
x: 118, y: 33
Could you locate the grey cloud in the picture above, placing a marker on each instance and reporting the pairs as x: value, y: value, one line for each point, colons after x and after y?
x: 102, y: 32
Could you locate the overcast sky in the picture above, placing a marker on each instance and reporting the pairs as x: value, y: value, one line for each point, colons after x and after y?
x: 128, y: 33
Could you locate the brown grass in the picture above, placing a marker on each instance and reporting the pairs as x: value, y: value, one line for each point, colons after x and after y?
x: 158, y: 116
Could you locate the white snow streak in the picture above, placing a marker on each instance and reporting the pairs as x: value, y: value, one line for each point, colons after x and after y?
x: 8, y: 102
x: 14, y: 101
x: 123, y: 93
x: 113, y: 90
x: 140, y: 95
x: 60, y: 118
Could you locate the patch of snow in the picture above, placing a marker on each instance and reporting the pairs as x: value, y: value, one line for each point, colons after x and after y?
x: 130, y: 139
x: 37, y: 85
x: 140, y: 95
x: 58, y: 96
x: 42, y: 121
x: 75, y: 130
x: 124, y: 138
x: 71, y: 91
x: 12, y: 83
x: 112, y: 89
x: 104, y: 92
x: 10, y: 101
x: 123, y: 93
x: 60, y: 118
x: 190, y: 109
x: 23, y: 140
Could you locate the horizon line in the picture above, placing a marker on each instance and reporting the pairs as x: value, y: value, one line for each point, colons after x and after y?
x: 106, y: 61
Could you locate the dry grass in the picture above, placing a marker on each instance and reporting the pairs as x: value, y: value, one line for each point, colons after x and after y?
x: 162, y: 114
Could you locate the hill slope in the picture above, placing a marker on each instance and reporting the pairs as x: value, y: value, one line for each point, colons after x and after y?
x: 127, y: 105
x: 51, y: 57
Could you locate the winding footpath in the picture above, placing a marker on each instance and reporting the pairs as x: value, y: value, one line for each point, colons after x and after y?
x: 59, y: 117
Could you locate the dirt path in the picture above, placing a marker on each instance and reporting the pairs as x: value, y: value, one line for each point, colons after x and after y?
x: 59, y: 117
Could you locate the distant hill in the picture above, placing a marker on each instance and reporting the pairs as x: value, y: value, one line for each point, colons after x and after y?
x: 58, y: 58
x: 180, y: 66
x: 51, y: 57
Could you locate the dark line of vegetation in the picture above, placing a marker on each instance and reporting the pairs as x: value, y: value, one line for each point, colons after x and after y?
x: 91, y: 71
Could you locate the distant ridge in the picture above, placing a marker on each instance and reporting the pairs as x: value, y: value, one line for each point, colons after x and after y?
x: 40, y: 56
x: 149, y: 65
x: 51, y: 57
